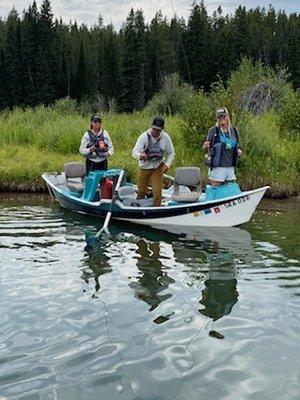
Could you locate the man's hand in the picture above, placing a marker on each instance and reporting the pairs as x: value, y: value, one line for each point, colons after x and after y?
x: 92, y: 149
x: 106, y: 155
x: 165, y: 168
x: 143, y: 156
x: 240, y: 153
x: 206, y: 145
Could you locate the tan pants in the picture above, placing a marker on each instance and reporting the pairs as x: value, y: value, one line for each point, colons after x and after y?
x: 156, y: 177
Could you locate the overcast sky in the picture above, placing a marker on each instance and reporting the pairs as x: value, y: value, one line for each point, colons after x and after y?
x: 115, y: 11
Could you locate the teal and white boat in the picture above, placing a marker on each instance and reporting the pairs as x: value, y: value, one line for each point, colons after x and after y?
x: 183, y: 204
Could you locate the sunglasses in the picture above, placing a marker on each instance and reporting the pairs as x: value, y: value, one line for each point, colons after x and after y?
x: 96, y: 120
x: 222, y: 116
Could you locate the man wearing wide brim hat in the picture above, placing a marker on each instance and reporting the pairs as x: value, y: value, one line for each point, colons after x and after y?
x: 155, y: 151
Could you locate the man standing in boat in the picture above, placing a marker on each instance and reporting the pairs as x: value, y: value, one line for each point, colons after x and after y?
x: 155, y: 151
x: 96, y: 146
x: 222, y: 149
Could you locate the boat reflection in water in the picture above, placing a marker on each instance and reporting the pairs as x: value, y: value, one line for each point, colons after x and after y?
x: 208, y: 260
x: 152, y: 280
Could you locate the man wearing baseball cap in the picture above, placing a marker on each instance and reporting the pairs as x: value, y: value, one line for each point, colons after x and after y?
x: 96, y: 146
x: 222, y: 149
x: 155, y: 151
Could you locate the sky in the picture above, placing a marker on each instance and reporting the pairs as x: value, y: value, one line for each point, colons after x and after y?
x: 116, y: 11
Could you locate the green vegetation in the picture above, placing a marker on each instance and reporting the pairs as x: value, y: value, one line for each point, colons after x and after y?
x: 34, y: 140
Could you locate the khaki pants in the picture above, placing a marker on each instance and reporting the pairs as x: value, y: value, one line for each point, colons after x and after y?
x: 156, y: 176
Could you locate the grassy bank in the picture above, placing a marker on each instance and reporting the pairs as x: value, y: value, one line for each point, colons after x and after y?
x: 34, y: 141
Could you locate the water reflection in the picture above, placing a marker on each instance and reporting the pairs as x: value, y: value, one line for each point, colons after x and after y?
x: 220, y: 293
x: 204, y: 262
x: 97, y: 264
x: 153, y: 278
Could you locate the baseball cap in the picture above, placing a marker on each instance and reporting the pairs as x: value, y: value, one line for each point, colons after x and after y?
x: 222, y: 112
x: 158, y: 123
x: 96, y: 118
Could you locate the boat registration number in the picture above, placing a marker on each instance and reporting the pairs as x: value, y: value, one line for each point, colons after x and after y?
x: 235, y: 202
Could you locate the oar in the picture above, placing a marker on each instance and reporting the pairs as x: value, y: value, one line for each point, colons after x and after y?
x: 109, y: 213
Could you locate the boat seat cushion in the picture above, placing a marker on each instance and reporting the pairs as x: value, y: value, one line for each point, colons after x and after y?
x: 75, y: 170
x: 76, y: 186
x: 75, y: 173
x: 184, y: 179
x: 127, y: 195
x: 186, y: 197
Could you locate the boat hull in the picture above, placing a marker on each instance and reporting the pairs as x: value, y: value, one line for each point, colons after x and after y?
x: 231, y: 211
x: 228, y: 213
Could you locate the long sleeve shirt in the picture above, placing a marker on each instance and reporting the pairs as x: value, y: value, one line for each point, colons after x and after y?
x: 165, y: 143
x: 85, y: 150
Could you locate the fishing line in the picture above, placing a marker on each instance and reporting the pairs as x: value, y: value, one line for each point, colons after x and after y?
x: 190, y: 352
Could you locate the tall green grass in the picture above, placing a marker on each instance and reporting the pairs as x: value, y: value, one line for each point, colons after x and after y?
x: 33, y: 141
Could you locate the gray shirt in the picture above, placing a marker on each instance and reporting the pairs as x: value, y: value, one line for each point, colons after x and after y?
x: 85, y: 150
x: 227, y: 155
x: 165, y: 143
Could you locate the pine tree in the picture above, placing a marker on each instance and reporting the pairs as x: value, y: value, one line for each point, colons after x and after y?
x: 111, y: 70
x: 30, y: 49
x: 134, y: 63
x: 80, y: 87
x: 294, y: 49
x: 3, y: 83
x: 13, y: 60
x: 199, y: 46
x: 47, y: 72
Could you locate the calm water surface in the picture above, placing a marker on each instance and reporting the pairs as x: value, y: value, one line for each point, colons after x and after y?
x: 147, y: 314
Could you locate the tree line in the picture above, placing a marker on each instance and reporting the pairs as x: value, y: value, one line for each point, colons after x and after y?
x: 43, y: 59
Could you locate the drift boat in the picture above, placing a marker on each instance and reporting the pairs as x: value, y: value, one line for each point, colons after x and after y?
x: 183, y: 204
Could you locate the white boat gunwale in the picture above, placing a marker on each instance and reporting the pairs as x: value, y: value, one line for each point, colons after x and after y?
x: 141, y: 208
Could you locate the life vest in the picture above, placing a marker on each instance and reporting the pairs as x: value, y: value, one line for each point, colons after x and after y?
x: 99, y: 142
x: 217, y: 144
x: 154, y: 151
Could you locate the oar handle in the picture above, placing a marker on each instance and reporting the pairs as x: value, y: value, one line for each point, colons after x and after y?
x: 170, y: 177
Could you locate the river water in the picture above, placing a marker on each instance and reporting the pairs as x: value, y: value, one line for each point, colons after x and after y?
x: 147, y: 314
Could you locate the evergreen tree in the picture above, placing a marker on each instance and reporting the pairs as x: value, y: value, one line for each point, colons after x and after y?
x: 47, y: 73
x: 3, y: 84
x: 111, y: 69
x: 80, y: 88
x: 134, y: 63
x: 42, y: 60
x: 199, y: 46
x: 13, y: 60
x: 30, y: 49
x: 62, y: 59
x: 294, y: 49
x: 240, y: 34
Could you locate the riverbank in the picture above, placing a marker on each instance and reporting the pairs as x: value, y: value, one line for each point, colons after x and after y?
x: 43, y: 139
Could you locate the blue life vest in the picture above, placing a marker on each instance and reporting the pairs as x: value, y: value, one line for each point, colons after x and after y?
x: 220, y: 140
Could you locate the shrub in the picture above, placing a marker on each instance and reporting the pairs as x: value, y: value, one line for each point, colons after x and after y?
x: 172, y: 98
x: 65, y: 106
x: 198, y: 117
x: 289, y: 113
